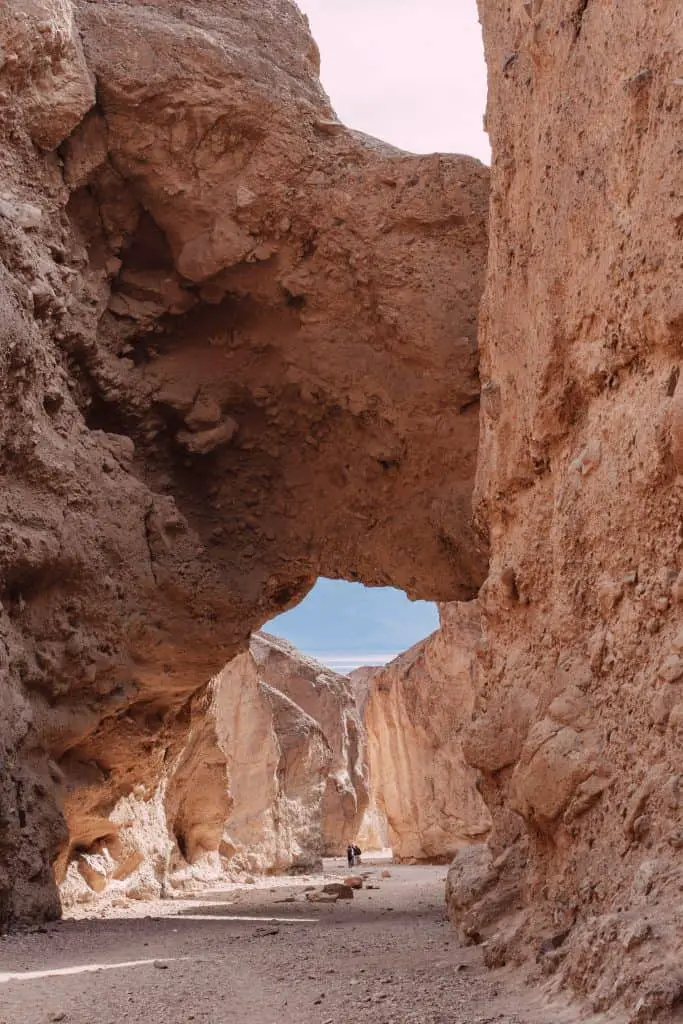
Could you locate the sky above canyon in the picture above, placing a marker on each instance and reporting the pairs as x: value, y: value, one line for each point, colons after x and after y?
x: 346, y: 625
x: 410, y: 72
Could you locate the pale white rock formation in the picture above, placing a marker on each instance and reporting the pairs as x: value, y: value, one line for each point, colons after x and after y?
x: 278, y: 761
x: 262, y: 772
x: 329, y: 699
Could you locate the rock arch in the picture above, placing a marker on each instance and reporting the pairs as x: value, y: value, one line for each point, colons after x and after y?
x: 242, y: 352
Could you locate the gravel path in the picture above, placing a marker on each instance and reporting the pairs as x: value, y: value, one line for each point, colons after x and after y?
x: 265, y: 955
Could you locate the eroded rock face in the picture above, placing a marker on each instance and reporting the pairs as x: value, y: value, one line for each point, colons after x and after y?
x: 579, y: 487
x: 233, y: 331
x: 261, y: 772
x: 276, y: 272
x: 329, y: 699
x: 416, y: 712
x: 279, y: 764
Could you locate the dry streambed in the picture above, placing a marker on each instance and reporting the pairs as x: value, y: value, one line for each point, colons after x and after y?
x: 264, y: 954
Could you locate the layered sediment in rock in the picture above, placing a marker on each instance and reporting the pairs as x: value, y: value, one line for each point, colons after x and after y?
x: 222, y: 313
x: 576, y: 726
x: 415, y: 715
x: 263, y: 772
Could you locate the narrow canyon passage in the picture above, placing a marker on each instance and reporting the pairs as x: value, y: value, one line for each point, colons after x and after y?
x: 265, y: 954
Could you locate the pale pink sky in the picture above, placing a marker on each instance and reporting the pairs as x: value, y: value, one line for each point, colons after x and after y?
x: 408, y: 71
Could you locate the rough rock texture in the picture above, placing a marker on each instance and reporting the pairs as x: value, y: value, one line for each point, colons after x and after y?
x: 238, y: 350
x: 279, y: 761
x: 329, y: 699
x: 373, y: 832
x: 261, y: 772
x: 580, y: 480
x: 415, y: 716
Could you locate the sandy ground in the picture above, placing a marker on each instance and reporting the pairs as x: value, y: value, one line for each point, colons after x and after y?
x: 262, y: 954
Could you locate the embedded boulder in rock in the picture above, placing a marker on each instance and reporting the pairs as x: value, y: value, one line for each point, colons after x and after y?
x: 328, y: 698
x: 415, y: 717
x: 240, y: 351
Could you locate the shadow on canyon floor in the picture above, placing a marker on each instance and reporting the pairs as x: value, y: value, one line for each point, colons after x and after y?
x: 388, y: 956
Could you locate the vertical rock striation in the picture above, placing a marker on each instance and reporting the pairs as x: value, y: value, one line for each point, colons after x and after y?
x: 579, y: 489
x: 415, y: 715
x: 329, y: 699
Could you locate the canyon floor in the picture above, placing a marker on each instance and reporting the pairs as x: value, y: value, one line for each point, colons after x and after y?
x: 264, y: 954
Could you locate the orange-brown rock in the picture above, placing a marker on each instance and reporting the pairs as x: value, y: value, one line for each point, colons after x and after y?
x: 415, y: 718
x: 579, y: 492
x: 239, y: 350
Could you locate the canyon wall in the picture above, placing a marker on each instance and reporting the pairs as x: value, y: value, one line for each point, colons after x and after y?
x: 238, y: 351
x: 415, y: 717
x: 329, y: 700
x: 576, y: 727
x: 261, y: 772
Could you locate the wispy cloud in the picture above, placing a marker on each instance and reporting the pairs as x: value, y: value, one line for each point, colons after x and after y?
x: 345, y: 663
x: 410, y: 73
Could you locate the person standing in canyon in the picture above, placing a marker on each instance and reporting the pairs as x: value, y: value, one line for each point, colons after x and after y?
x: 350, y: 855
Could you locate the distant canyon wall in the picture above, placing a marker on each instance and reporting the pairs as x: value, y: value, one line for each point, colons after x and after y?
x: 263, y: 772
x: 415, y: 714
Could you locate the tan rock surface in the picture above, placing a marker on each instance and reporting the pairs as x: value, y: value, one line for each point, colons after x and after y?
x: 278, y: 764
x: 329, y: 699
x: 373, y: 832
x: 579, y: 492
x: 254, y: 778
x: 415, y: 717
x: 221, y: 320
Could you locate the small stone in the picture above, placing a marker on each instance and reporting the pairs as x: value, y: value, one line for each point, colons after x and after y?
x: 160, y: 965
x: 609, y: 595
x: 339, y: 889
x: 641, y: 826
x: 675, y: 839
x: 671, y: 669
x: 244, y: 197
x: 635, y: 935
x: 354, y: 881
x: 206, y: 441
x: 322, y: 897
x: 329, y: 127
